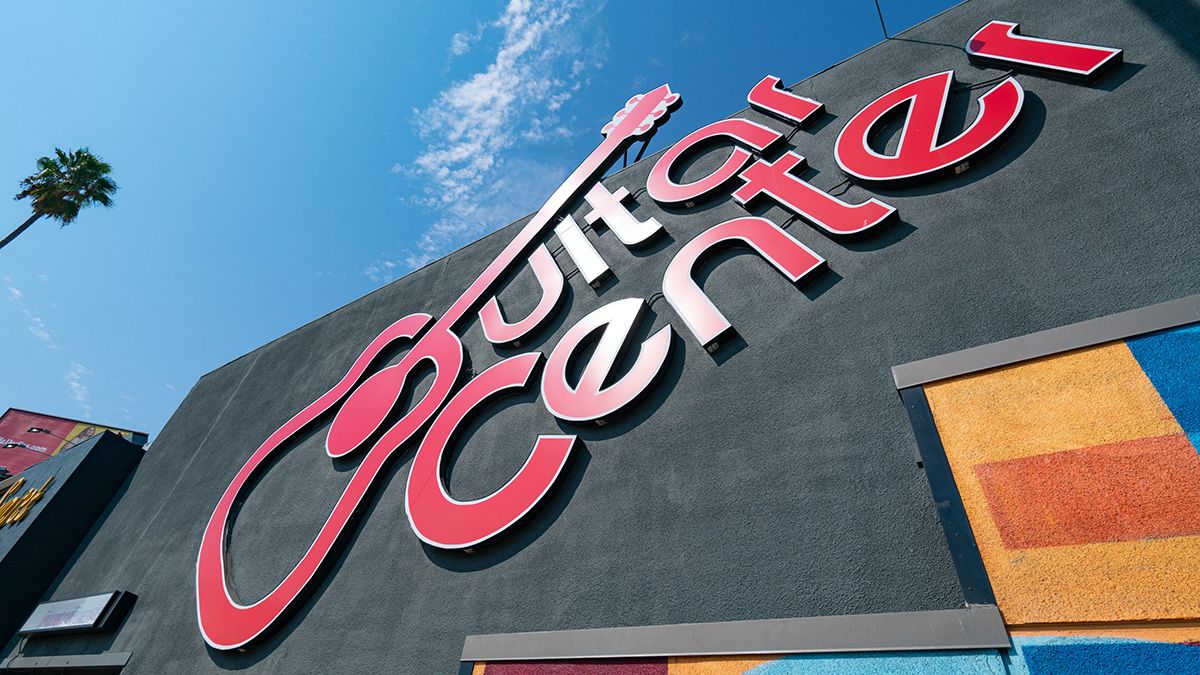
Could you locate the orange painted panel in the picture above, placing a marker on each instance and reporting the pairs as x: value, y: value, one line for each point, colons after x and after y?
x: 1140, y: 489
x: 716, y: 665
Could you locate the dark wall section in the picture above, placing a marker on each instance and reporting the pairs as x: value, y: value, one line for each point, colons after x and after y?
x: 32, y: 552
x: 777, y: 479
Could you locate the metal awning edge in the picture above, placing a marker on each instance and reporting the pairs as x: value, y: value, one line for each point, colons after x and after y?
x: 973, y: 627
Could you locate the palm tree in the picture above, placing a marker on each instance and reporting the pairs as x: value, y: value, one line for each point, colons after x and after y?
x: 63, y: 185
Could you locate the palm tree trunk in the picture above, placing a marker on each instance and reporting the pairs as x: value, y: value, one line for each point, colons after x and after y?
x: 24, y: 226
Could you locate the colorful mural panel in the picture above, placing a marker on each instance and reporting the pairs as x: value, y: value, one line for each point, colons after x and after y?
x: 1080, y: 481
x: 1116, y: 651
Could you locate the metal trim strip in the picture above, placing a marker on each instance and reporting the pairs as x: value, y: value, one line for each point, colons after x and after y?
x: 960, y: 538
x: 72, y: 662
x: 974, y: 627
x: 1053, y: 341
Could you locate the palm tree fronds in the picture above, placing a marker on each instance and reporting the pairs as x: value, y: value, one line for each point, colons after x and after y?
x: 68, y: 182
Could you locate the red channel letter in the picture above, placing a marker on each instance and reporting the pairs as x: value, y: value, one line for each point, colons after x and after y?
x: 499, y: 331
x: 1000, y: 44
x: 608, y: 208
x: 919, y: 154
x: 769, y: 96
x: 226, y: 623
x: 590, y: 399
x: 833, y: 216
x: 701, y: 316
x: 666, y: 191
x: 445, y: 522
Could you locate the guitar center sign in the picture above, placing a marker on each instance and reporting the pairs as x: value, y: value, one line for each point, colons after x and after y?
x: 364, y: 403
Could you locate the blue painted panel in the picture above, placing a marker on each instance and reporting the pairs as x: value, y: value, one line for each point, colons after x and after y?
x: 962, y: 662
x: 1030, y: 656
x: 1171, y: 359
x: 1098, y: 656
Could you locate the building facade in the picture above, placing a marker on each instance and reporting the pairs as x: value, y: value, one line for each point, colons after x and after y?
x: 894, y: 370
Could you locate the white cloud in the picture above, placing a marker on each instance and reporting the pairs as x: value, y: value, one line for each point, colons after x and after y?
x: 76, y: 389
x: 460, y: 44
x: 38, y: 329
x: 471, y: 174
x: 462, y: 41
x: 33, y: 322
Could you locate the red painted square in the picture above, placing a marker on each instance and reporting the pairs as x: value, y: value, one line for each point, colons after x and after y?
x: 1147, y: 488
x: 580, y: 667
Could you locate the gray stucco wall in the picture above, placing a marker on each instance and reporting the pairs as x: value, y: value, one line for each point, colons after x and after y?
x: 775, y: 480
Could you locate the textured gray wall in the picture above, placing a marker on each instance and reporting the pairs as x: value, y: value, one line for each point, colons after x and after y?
x: 776, y: 480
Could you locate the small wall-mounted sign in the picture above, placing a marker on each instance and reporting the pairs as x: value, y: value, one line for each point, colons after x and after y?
x: 91, y: 614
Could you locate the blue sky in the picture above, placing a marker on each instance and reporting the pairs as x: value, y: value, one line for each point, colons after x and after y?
x: 279, y: 160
